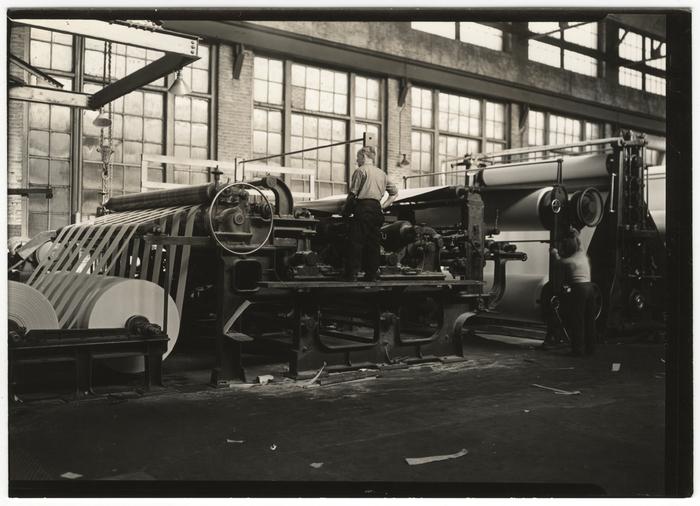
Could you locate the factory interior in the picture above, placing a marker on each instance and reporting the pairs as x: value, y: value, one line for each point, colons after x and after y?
x: 182, y: 215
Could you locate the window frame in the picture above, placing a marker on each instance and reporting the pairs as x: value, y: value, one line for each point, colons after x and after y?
x: 351, y: 119
x: 564, y: 45
x: 641, y: 66
x: 436, y: 132
x: 547, y: 131
x: 503, y: 26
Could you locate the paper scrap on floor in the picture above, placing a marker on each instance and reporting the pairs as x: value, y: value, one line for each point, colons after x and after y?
x: 71, y: 476
x: 416, y: 461
x: 316, y: 465
x: 557, y: 390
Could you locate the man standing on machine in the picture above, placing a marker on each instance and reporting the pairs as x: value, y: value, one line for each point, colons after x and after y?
x: 367, y: 187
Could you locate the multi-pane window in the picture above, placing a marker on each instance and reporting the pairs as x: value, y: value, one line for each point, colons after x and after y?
x: 366, y: 98
x: 421, y: 157
x: 451, y: 148
x: 49, y: 161
x: 320, y: 90
x: 268, y: 82
x: 191, y: 138
x: 360, y: 129
x: 459, y: 126
x: 320, y: 106
x: 51, y: 50
x: 330, y: 163
x: 268, y: 95
x: 647, y: 56
x: 137, y: 127
x: 630, y: 78
x: 460, y: 115
x: 563, y: 130
x: 552, y: 129
x: 552, y: 51
x: 421, y: 107
x: 481, y: 35
x: 124, y: 60
x: 441, y: 28
x: 267, y: 134
x: 465, y: 31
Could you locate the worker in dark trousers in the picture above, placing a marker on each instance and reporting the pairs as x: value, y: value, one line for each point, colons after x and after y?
x: 364, y: 202
x: 579, y: 303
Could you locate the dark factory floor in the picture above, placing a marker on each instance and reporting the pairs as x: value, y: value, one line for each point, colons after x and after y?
x: 602, y: 433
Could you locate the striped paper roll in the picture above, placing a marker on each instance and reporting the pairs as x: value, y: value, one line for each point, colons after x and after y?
x: 29, y: 308
x: 88, y: 301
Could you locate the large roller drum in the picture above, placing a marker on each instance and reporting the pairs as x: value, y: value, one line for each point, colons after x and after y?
x: 28, y: 308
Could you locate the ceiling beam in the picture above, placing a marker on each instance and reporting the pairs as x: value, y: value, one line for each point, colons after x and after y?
x: 48, y: 96
x: 119, y: 32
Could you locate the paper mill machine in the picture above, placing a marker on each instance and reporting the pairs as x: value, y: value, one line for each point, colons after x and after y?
x: 266, y: 273
x: 606, y: 182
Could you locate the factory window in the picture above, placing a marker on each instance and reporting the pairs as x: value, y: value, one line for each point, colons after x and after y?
x: 460, y: 115
x: 51, y: 50
x: 478, y: 34
x: 330, y: 163
x: 443, y: 29
x: 569, y: 45
x: 421, y: 156
x: 137, y: 127
x: 267, y: 134
x: 549, y: 129
x: 630, y: 78
x: 481, y: 35
x: 320, y: 90
x: 268, y: 80
x: 125, y: 60
x: 360, y: 129
x: 643, y: 65
x: 320, y: 106
x: 49, y: 161
x: 451, y: 148
x: 140, y: 123
x: 462, y: 125
x: 563, y: 130
x: 49, y: 138
x: 421, y: 107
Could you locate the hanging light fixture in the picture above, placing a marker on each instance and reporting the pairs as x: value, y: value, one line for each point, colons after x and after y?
x: 179, y: 87
x: 102, y: 120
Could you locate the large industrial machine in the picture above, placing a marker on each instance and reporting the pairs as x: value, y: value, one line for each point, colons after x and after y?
x: 606, y: 185
x: 243, y: 263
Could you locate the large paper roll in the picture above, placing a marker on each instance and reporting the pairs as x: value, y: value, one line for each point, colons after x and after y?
x: 96, y: 302
x: 29, y: 308
x: 522, y: 298
x: 516, y: 209
x: 586, y: 167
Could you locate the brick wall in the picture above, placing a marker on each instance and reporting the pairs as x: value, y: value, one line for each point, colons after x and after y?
x: 16, y: 138
x: 398, y: 139
x: 235, y: 107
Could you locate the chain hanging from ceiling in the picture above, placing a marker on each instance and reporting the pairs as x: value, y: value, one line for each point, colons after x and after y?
x: 105, y: 148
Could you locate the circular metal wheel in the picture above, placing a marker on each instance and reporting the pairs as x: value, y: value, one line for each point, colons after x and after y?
x: 215, y: 234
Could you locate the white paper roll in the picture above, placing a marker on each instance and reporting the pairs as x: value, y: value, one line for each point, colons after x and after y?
x: 573, y: 167
x: 121, y: 300
x: 521, y: 300
x: 29, y: 308
x: 97, y: 302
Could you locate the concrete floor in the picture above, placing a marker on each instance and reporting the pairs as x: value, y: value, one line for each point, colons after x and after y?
x: 608, y: 440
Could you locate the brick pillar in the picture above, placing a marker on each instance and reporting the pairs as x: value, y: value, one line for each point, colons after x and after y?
x: 398, y: 125
x: 16, y: 140
x: 235, y: 107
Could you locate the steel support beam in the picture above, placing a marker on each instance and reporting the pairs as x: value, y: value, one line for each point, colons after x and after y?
x: 49, y: 96
x: 275, y: 42
x: 168, y: 63
x: 119, y: 32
